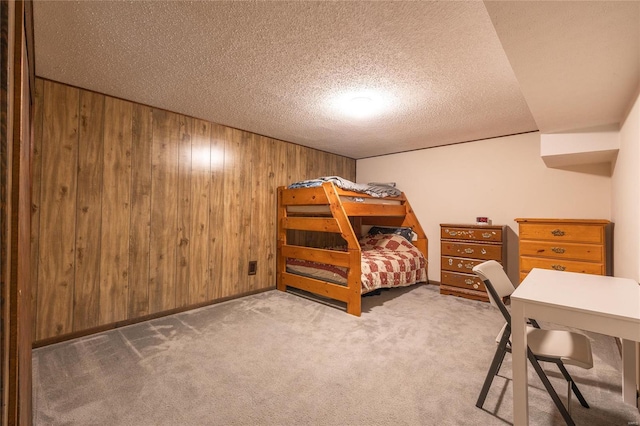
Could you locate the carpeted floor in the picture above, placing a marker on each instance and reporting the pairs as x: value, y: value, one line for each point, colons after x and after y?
x: 414, y: 357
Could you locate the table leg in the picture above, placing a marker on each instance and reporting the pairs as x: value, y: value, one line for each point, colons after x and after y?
x: 629, y: 394
x: 519, y: 354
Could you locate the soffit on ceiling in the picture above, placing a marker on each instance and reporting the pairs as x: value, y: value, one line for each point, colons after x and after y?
x: 274, y: 68
x: 577, y: 62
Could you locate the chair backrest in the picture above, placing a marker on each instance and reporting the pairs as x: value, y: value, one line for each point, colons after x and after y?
x: 494, y: 278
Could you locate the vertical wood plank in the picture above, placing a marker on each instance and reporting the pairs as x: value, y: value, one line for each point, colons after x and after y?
x: 183, y: 259
x: 199, y: 276
x: 142, y: 140
x: 310, y: 170
x: 339, y: 166
x: 116, y: 197
x: 216, y: 210
x: 260, y: 245
x: 164, y: 213
x: 36, y: 170
x: 282, y: 177
x: 296, y: 163
x: 316, y: 163
x: 267, y: 173
x: 277, y: 174
x: 237, y: 212
x: 349, y: 168
x: 330, y: 164
x: 343, y: 166
x: 57, y: 215
x: 89, y: 211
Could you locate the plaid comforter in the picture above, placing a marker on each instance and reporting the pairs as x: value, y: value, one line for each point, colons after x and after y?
x: 388, y: 260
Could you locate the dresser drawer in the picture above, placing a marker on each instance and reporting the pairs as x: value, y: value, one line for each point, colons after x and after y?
x: 492, y: 234
x: 464, y: 292
x: 528, y: 263
x: 563, y: 250
x: 457, y: 279
x: 562, y: 232
x: 458, y: 264
x: 478, y: 251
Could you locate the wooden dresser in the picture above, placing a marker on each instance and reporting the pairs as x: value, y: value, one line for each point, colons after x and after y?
x: 574, y: 245
x: 463, y: 247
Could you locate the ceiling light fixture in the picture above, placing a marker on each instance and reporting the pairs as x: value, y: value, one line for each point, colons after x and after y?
x: 361, y: 104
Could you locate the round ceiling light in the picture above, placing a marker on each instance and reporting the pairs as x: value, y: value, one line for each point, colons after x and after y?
x: 360, y: 104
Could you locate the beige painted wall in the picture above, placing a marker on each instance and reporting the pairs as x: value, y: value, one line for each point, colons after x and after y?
x: 502, y: 178
x: 625, y: 205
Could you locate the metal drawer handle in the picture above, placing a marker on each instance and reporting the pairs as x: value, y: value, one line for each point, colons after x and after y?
x: 557, y: 232
x: 558, y: 250
x: 558, y: 267
x: 475, y: 286
x: 468, y: 281
x: 486, y: 234
x: 452, y: 233
x: 468, y: 250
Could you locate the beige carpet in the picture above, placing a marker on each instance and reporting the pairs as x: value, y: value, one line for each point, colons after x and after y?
x: 413, y: 358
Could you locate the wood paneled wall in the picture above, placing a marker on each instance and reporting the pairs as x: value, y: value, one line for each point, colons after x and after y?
x: 16, y: 67
x: 137, y: 210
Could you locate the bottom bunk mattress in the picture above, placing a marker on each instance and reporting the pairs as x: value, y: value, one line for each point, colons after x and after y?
x: 388, y: 260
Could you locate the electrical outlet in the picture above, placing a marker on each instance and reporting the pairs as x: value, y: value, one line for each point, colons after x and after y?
x: 253, y: 267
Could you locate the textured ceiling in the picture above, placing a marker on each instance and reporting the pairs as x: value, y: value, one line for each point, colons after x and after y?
x: 277, y: 68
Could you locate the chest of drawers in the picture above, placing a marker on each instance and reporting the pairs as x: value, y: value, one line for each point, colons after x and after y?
x: 574, y: 245
x: 464, y: 246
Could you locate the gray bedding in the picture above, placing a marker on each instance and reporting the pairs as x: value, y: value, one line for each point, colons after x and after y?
x: 374, y: 190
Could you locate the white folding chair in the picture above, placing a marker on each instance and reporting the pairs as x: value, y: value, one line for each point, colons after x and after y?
x: 558, y: 346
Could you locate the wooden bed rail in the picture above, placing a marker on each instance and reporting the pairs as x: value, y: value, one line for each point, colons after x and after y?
x: 330, y: 257
x: 319, y: 224
x: 385, y: 210
x: 319, y: 287
x: 303, y: 196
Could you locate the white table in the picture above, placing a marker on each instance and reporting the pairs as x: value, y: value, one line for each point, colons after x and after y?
x: 601, y: 304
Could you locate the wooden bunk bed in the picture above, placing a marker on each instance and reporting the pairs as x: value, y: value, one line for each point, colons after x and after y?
x: 330, y: 209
